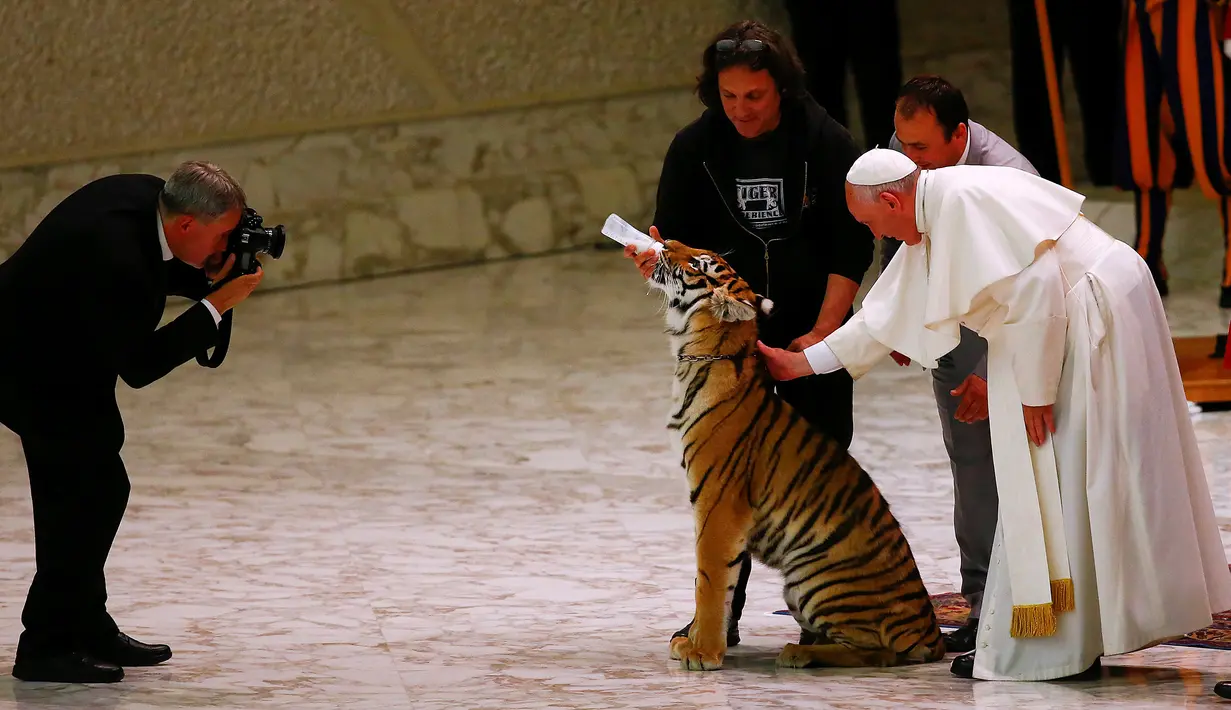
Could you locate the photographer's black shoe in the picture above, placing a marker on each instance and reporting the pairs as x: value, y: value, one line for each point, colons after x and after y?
x: 70, y: 667
x: 123, y: 650
x: 1223, y: 689
x: 732, y: 633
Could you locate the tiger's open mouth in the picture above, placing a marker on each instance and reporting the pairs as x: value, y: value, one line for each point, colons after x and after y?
x: 665, y: 274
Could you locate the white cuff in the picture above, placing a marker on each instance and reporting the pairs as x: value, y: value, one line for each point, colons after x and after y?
x: 822, y: 359
x: 212, y: 311
x: 1226, y: 47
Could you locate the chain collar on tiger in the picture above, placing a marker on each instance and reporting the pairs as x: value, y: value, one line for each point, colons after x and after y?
x: 709, y: 358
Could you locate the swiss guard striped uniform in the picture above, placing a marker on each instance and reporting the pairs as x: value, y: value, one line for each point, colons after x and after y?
x: 1173, y: 118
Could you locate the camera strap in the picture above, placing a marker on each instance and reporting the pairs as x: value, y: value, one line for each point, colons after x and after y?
x: 220, y: 348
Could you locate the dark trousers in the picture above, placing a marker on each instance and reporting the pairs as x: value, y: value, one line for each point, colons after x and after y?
x: 1086, y: 33
x: 832, y: 34
x: 79, y: 497
x: 826, y: 401
x: 976, y: 503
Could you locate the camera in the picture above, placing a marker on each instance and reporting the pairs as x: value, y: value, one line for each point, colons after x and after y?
x: 248, y: 239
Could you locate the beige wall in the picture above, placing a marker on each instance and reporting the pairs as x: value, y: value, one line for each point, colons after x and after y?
x: 392, y: 134
x: 103, y: 78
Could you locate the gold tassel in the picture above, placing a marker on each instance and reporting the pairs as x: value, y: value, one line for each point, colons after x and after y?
x: 1063, y: 598
x: 1033, y: 621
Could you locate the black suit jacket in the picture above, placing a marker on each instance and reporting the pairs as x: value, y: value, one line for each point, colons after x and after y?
x: 80, y: 304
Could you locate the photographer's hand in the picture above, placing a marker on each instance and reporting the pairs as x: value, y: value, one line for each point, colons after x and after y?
x: 216, y: 269
x: 230, y: 294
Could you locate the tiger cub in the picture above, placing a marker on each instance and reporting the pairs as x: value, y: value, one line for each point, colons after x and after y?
x: 764, y: 481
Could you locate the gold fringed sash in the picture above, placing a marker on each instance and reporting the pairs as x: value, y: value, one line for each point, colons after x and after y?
x: 1041, y: 619
x: 1031, y: 516
x: 1033, y: 620
x: 1062, y: 595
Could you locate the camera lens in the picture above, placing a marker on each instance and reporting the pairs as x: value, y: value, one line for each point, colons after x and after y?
x: 277, y: 241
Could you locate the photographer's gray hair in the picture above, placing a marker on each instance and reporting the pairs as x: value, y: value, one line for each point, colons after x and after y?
x: 203, y: 190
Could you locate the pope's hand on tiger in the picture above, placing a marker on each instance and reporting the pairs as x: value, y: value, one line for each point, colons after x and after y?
x: 784, y: 365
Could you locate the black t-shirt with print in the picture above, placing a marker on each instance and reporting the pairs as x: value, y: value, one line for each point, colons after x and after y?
x: 759, y: 167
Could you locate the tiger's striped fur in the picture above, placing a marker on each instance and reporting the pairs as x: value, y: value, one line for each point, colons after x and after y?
x: 764, y: 482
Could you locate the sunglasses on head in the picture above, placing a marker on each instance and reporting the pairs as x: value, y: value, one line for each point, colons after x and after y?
x: 726, y: 46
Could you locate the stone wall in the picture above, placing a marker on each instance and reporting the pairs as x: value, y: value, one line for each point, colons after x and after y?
x: 396, y: 134
x: 382, y: 199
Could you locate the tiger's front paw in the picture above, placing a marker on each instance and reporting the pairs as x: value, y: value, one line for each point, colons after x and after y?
x: 694, y: 658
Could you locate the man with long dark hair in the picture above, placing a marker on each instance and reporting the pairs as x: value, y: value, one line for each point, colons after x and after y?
x: 759, y: 178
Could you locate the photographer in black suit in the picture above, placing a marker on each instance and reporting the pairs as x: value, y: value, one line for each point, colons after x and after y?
x: 80, y: 304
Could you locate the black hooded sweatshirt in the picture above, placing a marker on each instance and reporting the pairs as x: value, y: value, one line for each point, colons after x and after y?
x: 773, y: 206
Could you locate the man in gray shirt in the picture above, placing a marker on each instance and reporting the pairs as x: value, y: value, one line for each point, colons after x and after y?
x: 933, y: 128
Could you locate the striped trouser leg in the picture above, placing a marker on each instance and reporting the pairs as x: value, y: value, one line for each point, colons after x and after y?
x: 1173, y: 118
x: 1196, y: 76
x: 1146, y: 160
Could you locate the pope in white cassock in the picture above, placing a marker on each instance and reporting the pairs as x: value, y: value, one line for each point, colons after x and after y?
x: 1106, y: 541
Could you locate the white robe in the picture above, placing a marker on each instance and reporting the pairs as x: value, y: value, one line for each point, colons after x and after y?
x: 1077, y: 323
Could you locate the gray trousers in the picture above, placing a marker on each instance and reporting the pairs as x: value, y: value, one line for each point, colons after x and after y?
x: 970, y: 457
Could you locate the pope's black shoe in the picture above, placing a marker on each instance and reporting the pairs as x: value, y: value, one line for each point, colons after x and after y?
x: 70, y: 667
x: 732, y: 633
x: 963, y: 639
x: 964, y: 667
x: 123, y: 650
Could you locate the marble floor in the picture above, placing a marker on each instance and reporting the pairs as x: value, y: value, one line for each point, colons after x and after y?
x: 454, y: 490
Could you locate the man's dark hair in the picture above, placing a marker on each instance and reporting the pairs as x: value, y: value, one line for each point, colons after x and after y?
x: 935, y: 93
x: 777, y: 55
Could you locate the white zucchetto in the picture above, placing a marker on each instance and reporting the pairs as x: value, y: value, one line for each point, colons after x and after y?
x: 879, y: 166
